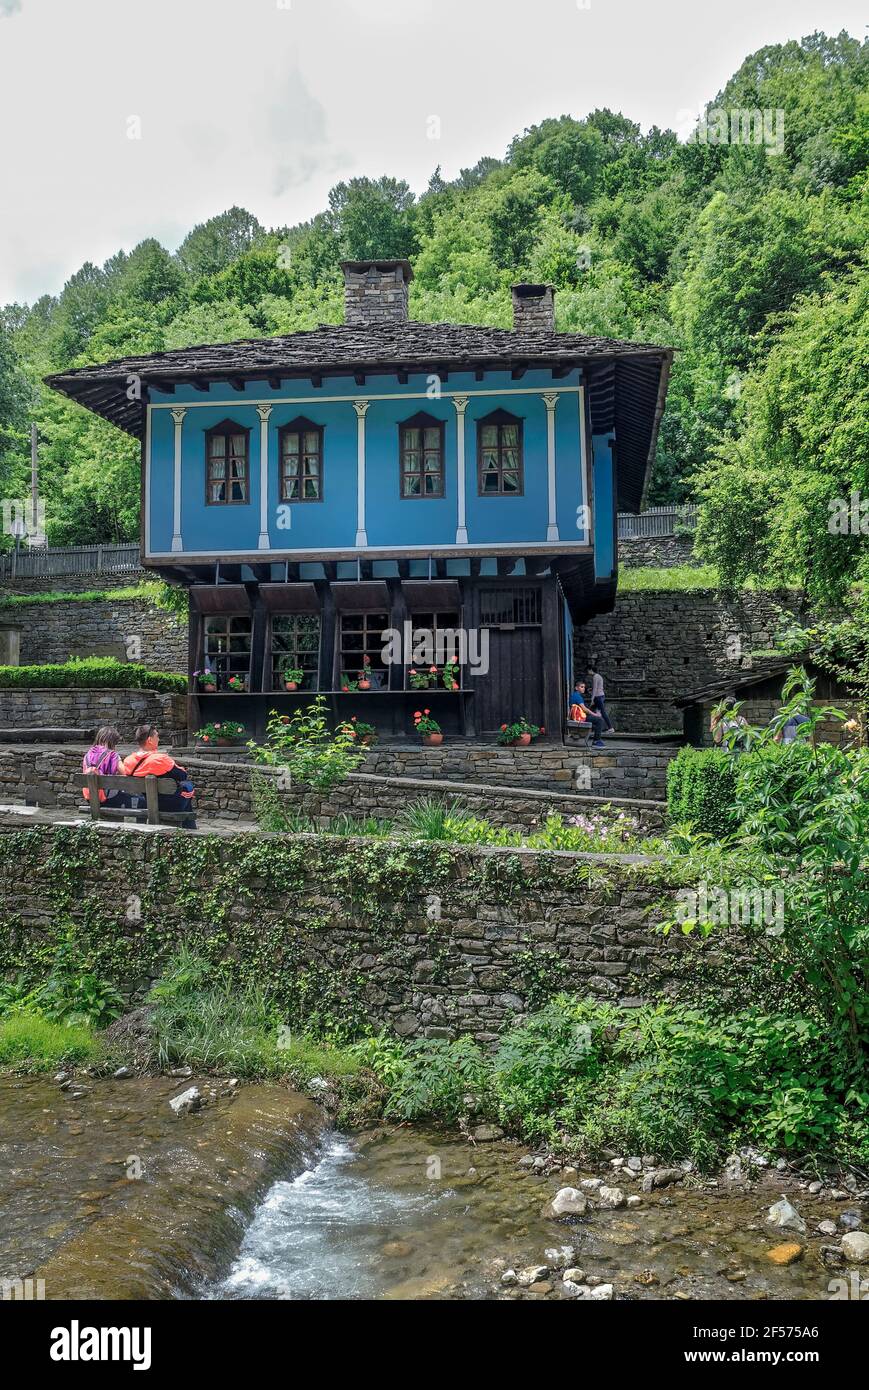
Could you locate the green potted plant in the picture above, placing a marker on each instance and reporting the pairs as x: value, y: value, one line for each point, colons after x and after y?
x: 364, y: 682
x: 224, y: 734
x: 291, y: 675
x: 520, y: 733
x: 238, y: 684
x: 422, y: 680
x: 428, y: 729
x: 358, y: 730
x: 206, y: 681
x: 450, y: 675
x: 348, y: 685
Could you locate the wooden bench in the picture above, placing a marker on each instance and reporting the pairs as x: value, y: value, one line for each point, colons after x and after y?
x: 149, y: 786
x: 576, y: 727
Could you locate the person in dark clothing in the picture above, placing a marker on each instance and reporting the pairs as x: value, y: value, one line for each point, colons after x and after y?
x: 149, y: 761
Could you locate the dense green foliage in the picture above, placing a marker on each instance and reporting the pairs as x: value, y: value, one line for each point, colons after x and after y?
x: 701, y: 785
x: 304, y: 750
x: 90, y: 673
x: 671, y: 1081
x: 747, y: 260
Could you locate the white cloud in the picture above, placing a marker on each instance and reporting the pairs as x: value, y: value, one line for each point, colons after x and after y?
x: 255, y: 103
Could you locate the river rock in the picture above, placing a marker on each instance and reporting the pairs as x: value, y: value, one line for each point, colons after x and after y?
x: 635, y: 1164
x: 827, y: 1228
x: 181, y: 1071
x: 785, y: 1254
x: 851, y: 1220
x: 487, y: 1134
x: 610, y: 1197
x: 855, y: 1247
x: 786, y: 1217
x: 574, y: 1275
x: 187, y: 1102
x: 634, y: 1200
x: 534, y: 1274
x: 122, y: 1074
x: 815, y: 1187
x: 661, y: 1177
x: 557, y: 1257
x: 831, y: 1256
x: 509, y: 1277
x: 569, y: 1201
x: 591, y: 1184
x: 603, y: 1293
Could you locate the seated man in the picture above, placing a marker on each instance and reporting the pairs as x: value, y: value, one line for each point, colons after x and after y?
x: 147, y: 761
x: 580, y: 713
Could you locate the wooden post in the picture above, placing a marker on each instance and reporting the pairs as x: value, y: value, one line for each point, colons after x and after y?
x: 93, y: 781
x: 152, y: 801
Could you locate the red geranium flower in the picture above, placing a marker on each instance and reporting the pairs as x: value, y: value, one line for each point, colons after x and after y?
x: 503, y: 727
x: 426, y: 711
x: 417, y: 714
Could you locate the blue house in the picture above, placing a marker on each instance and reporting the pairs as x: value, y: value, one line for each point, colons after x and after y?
x: 355, y: 505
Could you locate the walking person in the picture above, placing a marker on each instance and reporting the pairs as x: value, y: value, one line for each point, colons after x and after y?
x: 598, y: 698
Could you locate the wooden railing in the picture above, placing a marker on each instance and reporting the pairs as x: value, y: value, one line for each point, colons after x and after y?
x: 657, y: 521
x: 61, y: 560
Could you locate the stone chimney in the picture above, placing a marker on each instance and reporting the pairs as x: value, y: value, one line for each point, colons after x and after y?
x: 534, y: 307
x: 375, y: 292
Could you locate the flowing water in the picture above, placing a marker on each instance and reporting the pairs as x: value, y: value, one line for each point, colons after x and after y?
x: 110, y: 1195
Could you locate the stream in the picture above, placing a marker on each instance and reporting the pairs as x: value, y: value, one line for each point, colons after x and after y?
x: 108, y: 1194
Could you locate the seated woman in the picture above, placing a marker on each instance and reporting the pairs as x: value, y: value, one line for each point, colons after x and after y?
x: 102, y: 758
x: 580, y: 713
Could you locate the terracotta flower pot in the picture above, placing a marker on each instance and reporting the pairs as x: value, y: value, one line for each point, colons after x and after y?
x: 523, y: 740
x: 432, y: 740
x: 291, y: 685
x: 209, y: 689
x: 364, y: 685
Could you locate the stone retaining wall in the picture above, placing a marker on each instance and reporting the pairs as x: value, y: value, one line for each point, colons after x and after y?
x: 427, y: 940
x: 71, y: 708
x: 51, y: 777
x: 632, y: 770
x: 656, y: 647
x: 657, y: 552
x: 128, y: 629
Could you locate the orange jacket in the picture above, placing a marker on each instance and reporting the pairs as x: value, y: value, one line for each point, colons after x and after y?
x: 143, y: 763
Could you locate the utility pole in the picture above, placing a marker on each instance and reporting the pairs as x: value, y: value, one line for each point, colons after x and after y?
x: 34, y: 478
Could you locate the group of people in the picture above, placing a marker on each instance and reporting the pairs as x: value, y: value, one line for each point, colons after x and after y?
x: 146, y: 760
x: 588, y: 706
x: 730, y: 728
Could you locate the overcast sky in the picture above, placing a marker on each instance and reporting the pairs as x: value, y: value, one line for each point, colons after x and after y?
x: 268, y: 103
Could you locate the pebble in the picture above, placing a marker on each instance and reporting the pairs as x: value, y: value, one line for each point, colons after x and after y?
x: 574, y: 1275
x: 62, y: 1076
x: 557, y: 1257
x: 634, y: 1200
x: 534, y: 1274
x: 122, y: 1074
x: 851, y: 1220
x: 635, y: 1164
x: 591, y: 1184
x: 815, y: 1187
x: 827, y: 1228
x: 542, y: 1286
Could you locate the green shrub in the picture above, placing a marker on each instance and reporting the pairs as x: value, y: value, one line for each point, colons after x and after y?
x: 305, y: 750
x: 701, y: 790
x: 91, y: 673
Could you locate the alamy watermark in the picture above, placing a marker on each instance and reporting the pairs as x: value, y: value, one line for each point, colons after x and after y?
x: 848, y: 516
x: 740, y: 125
x: 733, y: 907
x: 23, y: 520
x: 425, y: 646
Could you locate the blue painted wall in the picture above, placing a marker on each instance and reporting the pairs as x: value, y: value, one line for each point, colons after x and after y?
x: 390, y: 520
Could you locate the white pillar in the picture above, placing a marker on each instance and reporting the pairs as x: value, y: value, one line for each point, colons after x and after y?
x: 461, y: 404
x: 550, y: 400
x: 178, y: 413
x: 263, y: 411
x: 361, y: 408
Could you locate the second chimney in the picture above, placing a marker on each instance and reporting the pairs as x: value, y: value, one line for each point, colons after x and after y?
x: 534, y: 307
x: 375, y: 292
